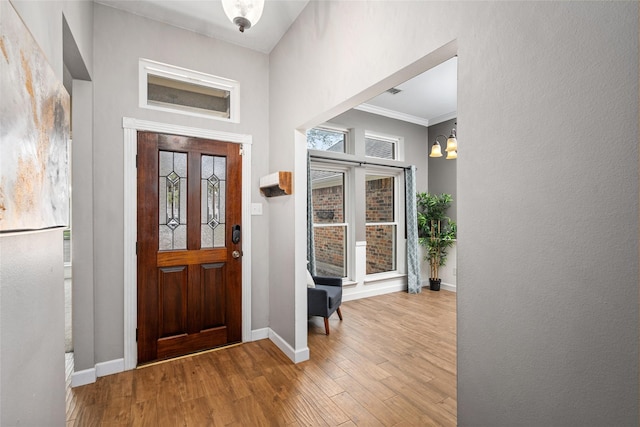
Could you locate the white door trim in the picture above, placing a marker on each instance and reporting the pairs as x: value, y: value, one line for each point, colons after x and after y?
x: 131, y: 127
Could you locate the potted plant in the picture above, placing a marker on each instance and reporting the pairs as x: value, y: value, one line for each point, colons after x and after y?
x: 436, y: 231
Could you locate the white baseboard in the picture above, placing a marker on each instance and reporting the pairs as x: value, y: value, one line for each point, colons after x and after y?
x: 350, y: 296
x: 110, y: 367
x: 448, y: 287
x: 84, y: 377
x: 89, y: 376
x: 296, y: 356
x: 259, y: 334
x: 443, y: 285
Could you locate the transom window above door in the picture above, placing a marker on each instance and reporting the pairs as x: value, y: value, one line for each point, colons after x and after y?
x: 179, y: 90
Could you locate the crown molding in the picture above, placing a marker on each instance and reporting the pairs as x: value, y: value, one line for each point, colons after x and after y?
x: 443, y: 118
x: 393, y: 114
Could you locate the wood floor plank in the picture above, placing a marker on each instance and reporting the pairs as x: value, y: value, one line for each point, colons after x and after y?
x: 197, y: 412
x: 144, y: 414
x: 302, y: 410
x: 366, y: 381
x: 187, y: 380
x: 358, y: 414
x: 323, y: 404
x: 318, y: 377
x: 117, y: 411
x: 384, y: 413
x: 221, y: 409
x: 390, y: 362
x: 168, y: 406
x: 272, y: 406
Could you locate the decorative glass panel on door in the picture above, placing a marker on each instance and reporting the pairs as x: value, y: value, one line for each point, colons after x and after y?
x: 213, y: 195
x: 172, y: 186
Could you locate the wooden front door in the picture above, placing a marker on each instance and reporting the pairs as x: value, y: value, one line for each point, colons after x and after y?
x: 189, y: 246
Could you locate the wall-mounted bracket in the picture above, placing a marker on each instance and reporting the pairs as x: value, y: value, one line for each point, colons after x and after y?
x: 276, y: 184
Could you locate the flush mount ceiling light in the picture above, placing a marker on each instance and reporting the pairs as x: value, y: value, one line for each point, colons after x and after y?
x: 243, y: 13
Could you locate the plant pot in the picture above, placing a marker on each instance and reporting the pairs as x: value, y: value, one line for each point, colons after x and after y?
x: 434, y: 284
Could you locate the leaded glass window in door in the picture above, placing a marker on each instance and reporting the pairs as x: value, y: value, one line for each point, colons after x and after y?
x: 172, y: 192
x: 213, y: 196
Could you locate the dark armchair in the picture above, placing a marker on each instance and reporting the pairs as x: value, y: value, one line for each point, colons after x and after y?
x: 325, y: 298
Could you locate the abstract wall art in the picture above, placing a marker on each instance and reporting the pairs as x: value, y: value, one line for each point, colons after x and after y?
x: 34, y: 132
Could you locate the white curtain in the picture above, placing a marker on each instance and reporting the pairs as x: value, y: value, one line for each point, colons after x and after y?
x: 413, y: 261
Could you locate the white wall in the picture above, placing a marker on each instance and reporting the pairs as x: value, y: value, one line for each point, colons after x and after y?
x: 120, y: 39
x: 32, y: 329
x: 552, y: 339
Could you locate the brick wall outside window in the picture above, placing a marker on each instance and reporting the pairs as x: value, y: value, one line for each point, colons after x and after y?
x: 380, y: 238
x: 330, y: 241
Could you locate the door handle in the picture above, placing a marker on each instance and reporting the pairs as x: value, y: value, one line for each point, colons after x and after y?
x: 235, y: 254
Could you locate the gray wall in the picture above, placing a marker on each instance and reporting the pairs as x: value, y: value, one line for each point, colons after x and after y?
x: 82, y: 225
x: 32, y: 329
x: 415, y: 137
x: 31, y: 264
x: 442, y: 172
x: 553, y: 338
x: 44, y: 20
x: 120, y: 39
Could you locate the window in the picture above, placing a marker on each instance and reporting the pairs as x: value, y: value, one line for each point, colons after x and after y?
x: 175, y: 89
x: 325, y: 139
x: 381, y: 223
x: 329, y: 224
x: 381, y: 147
x: 356, y: 203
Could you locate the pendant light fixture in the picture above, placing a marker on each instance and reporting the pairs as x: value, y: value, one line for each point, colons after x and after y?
x: 243, y: 13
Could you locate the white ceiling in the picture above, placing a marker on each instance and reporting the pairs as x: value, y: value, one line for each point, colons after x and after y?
x: 427, y: 99
x: 208, y: 18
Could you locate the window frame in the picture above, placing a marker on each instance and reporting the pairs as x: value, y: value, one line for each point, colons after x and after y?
x: 397, y: 141
x: 148, y: 67
x: 398, y: 207
x: 348, y: 139
x: 348, y: 214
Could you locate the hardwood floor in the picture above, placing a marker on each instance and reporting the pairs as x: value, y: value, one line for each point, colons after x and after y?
x: 391, y: 362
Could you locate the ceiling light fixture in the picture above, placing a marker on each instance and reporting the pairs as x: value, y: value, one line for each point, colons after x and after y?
x: 452, y: 142
x: 436, y: 150
x: 452, y: 146
x: 243, y: 13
